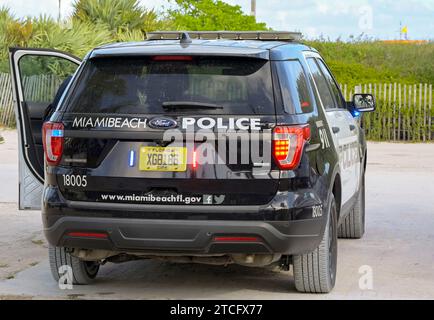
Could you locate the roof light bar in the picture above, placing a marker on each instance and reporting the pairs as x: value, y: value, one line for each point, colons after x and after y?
x: 229, y: 35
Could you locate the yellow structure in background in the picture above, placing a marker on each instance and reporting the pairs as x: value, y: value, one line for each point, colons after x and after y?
x: 403, y: 36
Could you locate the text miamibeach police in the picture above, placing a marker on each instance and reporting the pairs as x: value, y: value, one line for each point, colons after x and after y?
x: 205, y: 123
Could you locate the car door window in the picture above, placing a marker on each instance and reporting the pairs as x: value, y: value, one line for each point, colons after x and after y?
x: 293, y: 84
x: 41, y: 76
x: 334, y: 88
x: 321, y: 84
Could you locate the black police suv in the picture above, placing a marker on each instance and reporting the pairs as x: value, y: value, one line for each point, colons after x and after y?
x: 191, y: 147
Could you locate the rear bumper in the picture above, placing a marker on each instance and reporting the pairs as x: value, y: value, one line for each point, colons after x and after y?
x: 187, y: 237
x: 283, y: 226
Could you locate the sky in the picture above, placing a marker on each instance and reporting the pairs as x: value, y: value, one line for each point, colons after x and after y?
x: 331, y: 19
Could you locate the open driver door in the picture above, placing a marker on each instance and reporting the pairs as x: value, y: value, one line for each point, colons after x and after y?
x: 36, y: 75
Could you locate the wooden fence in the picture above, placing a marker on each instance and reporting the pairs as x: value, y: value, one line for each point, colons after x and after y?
x: 404, y: 112
x: 7, y: 116
x: 37, y: 88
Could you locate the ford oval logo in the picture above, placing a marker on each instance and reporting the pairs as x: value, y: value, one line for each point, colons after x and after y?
x: 162, y: 123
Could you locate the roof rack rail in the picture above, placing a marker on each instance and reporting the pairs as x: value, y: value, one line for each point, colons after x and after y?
x: 228, y: 35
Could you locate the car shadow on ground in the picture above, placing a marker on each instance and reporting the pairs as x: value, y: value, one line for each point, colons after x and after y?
x: 192, y: 280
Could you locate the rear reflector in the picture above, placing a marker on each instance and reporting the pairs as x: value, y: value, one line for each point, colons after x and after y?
x: 88, y: 235
x: 237, y: 239
x: 172, y: 58
x: 194, y: 159
x: 288, y: 144
x: 52, y: 139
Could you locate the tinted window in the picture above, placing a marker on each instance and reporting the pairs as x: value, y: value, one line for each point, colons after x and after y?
x: 332, y: 83
x: 295, y: 92
x: 142, y: 85
x: 322, y: 85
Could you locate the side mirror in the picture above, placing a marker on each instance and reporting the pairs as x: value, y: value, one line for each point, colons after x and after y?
x: 364, y: 102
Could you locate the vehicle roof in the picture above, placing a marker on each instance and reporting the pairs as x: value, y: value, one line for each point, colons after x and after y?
x: 272, y: 50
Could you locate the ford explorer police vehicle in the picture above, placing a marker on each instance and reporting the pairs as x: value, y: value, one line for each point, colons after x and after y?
x: 191, y: 147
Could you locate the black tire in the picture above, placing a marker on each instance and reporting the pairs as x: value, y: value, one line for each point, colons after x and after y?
x: 84, y: 272
x: 353, y: 225
x: 315, y: 272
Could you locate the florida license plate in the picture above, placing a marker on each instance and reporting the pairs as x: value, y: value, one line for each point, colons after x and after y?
x: 163, y: 159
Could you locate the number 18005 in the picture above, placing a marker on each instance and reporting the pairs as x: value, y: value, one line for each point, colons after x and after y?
x: 70, y: 180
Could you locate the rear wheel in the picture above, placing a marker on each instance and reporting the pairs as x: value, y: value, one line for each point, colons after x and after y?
x: 353, y: 225
x: 315, y: 272
x: 83, y: 272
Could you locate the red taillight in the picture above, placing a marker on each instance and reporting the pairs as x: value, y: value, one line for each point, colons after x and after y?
x: 88, y: 235
x: 52, y: 138
x: 172, y: 58
x: 288, y: 144
x: 237, y: 239
x: 194, y: 159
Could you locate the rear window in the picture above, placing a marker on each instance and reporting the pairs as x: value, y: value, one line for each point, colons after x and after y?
x: 142, y: 85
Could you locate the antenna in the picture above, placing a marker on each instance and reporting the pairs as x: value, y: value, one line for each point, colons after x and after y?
x: 185, y: 38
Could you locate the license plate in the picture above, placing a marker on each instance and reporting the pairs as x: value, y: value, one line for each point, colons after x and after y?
x: 163, y: 159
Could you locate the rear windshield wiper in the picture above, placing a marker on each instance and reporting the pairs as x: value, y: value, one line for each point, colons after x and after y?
x: 190, y: 105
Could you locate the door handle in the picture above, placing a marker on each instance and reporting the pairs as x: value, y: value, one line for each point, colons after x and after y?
x: 352, y: 127
x: 336, y: 129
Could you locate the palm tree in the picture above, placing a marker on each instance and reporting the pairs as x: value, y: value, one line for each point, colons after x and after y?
x: 121, y: 16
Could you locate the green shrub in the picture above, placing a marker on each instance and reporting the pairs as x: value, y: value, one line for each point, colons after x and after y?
x: 378, y: 62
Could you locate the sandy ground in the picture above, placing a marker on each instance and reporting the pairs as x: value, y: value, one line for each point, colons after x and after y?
x: 398, y: 246
x: 21, y: 243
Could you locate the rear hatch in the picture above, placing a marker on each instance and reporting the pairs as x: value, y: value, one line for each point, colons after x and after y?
x: 170, y: 130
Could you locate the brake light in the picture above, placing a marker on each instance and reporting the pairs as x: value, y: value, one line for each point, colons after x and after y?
x: 52, y: 138
x: 194, y: 159
x: 288, y: 144
x: 96, y: 235
x: 172, y: 58
x: 237, y: 239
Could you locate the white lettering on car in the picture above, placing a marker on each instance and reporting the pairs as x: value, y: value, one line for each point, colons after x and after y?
x: 325, y: 143
x: 109, y: 122
x: 349, y: 152
x: 317, y: 211
x: 208, y: 123
x: 78, y: 123
x: 70, y: 180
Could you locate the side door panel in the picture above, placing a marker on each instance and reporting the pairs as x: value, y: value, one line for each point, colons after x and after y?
x: 36, y: 76
x: 347, y: 139
x: 344, y: 136
x: 351, y: 154
x: 343, y: 142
